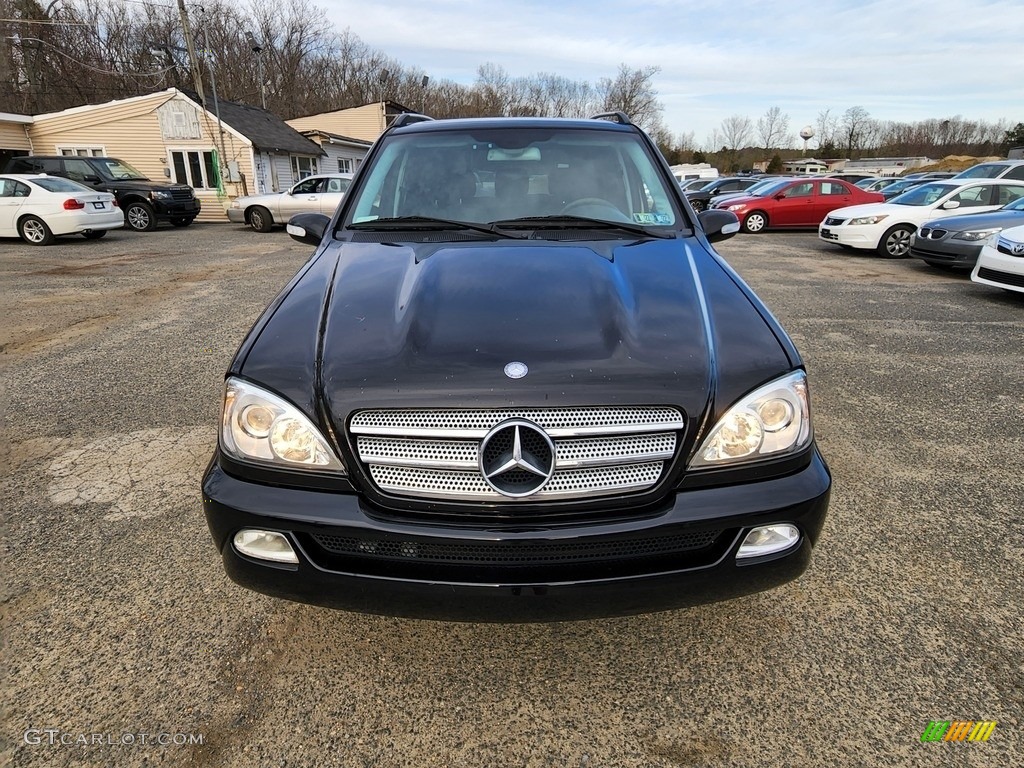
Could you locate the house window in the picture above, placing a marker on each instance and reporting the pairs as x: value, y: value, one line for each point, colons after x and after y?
x: 345, y: 165
x: 196, y: 168
x: 82, y: 151
x: 303, y: 166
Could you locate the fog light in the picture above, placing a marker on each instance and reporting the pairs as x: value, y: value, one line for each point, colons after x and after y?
x: 767, y: 540
x: 265, y: 545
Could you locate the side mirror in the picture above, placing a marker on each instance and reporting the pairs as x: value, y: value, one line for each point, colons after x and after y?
x: 308, y: 228
x: 949, y: 205
x: 90, y: 179
x: 779, y: 196
x: 718, y: 225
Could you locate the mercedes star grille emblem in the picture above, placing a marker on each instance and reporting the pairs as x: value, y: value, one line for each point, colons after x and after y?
x: 516, y: 370
x: 517, y: 458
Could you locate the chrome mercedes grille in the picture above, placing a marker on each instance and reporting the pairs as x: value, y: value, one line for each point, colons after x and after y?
x: 436, y: 453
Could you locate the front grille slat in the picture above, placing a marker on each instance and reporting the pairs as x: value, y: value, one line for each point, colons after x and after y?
x: 434, y: 454
x: 996, y: 276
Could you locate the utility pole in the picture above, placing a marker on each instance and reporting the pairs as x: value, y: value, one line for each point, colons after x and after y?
x: 193, y: 62
x: 216, y: 104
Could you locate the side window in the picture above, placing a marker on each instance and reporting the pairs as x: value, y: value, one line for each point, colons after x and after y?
x: 801, y: 190
x: 308, y: 187
x: 1015, y: 173
x: 77, y: 169
x: 973, y: 196
x: 20, y: 190
x: 25, y: 165
x: 50, y: 165
x: 1009, y: 194
x: 833, y: 188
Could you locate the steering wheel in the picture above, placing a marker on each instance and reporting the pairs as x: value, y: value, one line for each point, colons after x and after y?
x: 596, y: 202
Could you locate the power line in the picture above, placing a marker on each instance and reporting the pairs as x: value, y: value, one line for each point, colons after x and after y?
x: 52, y: 23
x: 88, y: 66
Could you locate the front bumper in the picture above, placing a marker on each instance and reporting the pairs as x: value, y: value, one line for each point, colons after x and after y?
x: 167, y: 209
x: 951, y: 253
x: 489, y: 574
x: 236, y: 215
x: 858, y: 236
x: 1000, y: 270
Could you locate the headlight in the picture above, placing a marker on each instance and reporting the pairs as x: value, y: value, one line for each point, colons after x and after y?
x: 868, y: 219
x: 236, y: 204
x: 976, y: 234
x: 736, y: 207
x: 771, y: 421
x: 160, y: 194
x: 259, y: 426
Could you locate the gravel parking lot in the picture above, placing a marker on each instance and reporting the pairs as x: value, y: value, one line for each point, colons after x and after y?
x: 119, y: 626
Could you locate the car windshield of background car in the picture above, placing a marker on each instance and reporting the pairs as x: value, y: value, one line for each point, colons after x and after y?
x: 768, y: 188
x: 982, y: 172
x: 926, y: 194
x: 118, y: 169
x: 57, y: 184
x: 484, y: 176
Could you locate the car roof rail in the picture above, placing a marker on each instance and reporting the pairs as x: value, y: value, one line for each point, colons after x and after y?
x: 407, y: 118
x: 620, y: 117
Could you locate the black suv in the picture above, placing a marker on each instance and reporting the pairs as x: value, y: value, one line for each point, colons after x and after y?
x: 144, y: 202
x: 699, y: 198
x: 515, y: 381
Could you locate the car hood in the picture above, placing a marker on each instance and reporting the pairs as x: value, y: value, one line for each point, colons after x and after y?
x: 985, y: 220
x: 143, y: 185
x: 908, y: 212
x: 743, y: 199
x: 596, y: 324
x: 389, y: 325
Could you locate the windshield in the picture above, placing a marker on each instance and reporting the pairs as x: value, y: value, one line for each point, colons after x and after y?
x: 57, y: 184
x: 926, y: 194
x: 499, y: 174
x: 118, y: 169
x: 984, y: 171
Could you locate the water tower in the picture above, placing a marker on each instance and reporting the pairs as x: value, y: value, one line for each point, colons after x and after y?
x: 806, y: 133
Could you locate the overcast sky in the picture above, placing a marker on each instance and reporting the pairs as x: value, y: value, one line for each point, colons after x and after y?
x: 899, y: 59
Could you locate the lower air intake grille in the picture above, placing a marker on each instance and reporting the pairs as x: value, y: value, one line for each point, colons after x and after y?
x: 506, y: 553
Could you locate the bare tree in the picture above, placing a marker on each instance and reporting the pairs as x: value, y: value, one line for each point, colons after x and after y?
x: 736, y: 132
x: 856, y: 129
x: 773, y: 128
x: 828, y: 128
x: 632, y: 91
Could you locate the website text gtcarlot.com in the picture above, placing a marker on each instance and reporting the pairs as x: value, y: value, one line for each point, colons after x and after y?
x: 54, y: 737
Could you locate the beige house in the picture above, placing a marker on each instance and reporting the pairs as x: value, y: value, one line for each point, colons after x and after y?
x: 14, y: 138
x: 169, y: 135
x: 365, y: 123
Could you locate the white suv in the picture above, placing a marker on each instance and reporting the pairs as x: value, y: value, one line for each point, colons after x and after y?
x: 999, y: 169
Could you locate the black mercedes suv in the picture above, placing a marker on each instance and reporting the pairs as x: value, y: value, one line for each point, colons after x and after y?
x: 144, y: 201
x: 515, y: 382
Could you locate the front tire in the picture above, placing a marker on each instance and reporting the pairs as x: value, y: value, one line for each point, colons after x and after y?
x: 895, y: 243
x: 756, y: 222
x: 260, y: 219
x: 34, y: 231
x: 140, y: 217
x: 96, y: 234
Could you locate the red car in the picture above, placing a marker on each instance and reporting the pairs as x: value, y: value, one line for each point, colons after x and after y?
x: 795, y: 203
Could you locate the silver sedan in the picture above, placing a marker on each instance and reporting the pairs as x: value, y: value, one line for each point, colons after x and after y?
x: 314, y: 194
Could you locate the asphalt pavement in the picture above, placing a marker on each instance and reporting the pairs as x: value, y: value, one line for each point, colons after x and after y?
x: 123, y: 643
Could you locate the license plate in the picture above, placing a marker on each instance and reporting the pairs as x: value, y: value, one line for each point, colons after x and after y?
x: 99, y: 205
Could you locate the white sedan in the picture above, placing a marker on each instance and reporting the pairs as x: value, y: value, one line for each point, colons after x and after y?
x: 1001, y: 261
x: 38, y: 208
x: 314, y: 194
x: 887, y: 227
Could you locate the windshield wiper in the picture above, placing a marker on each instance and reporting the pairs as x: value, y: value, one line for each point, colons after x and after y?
x: 400, y: 223
x: 563, y: 221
